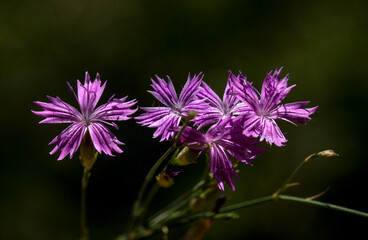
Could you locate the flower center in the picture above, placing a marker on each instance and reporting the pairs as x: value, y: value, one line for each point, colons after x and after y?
x: 261, y: 111
x: 87, y: 120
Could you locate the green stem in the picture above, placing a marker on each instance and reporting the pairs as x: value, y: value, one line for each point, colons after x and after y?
x: 181, y: 201
x: 324, y: 205
x: 139, y: 209
x: 270, y: 198
x: 245, y: 204
x: 149, y: 198
x: 84, y: 184
x: 150, y: 175
x: 290, y: 178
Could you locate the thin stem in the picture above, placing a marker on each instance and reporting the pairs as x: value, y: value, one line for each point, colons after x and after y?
x: 175, y: 205
x: 84, y: 184
x: 245, y: 204
x: 227, y: 209
x: 270, y: 198
x: 324, y: 205
x: 150, y: 175
x: 181, y: 201
x: 149, y: 198
x: 290, y: 178
x: 139, y: 209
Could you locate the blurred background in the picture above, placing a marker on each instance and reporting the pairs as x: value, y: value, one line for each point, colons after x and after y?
x: 44, y: 44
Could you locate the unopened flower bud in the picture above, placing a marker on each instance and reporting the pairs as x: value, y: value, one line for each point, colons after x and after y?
x: 192, y: 114
x: 327, y: 154
x: 186, y: 156
x: 164, y: 180
x: 88, y: 153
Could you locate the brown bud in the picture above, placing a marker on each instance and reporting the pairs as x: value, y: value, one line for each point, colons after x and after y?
x: 327, y: 154
x: 164, y: 180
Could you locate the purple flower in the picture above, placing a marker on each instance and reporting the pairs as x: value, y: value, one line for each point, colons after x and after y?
x: 89, y: 120
x: 218, y: 110
x: 167, y: 118
x: 264, y: 108
x: 222, y: 140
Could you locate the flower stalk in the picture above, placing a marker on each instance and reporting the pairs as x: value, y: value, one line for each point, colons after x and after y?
x: 292, y: 175
x: 83, y: 222
x: 324, y: 154
x: 88, y: 156
x: 169, y: 219
x: 270, y: 198
x: 140, y: 207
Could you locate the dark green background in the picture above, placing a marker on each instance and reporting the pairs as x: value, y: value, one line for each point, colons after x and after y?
x: 44, y: 44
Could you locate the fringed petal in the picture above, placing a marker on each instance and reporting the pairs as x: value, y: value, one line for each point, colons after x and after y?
x: 272, y: 133
x: 57, y: 111
x: 190, y: 89
x: 89, y: 93
x: 221, y: 167
x: 115, y: 110
x: 68, y: 141
x: 103, y: 139
x: 294, y: 112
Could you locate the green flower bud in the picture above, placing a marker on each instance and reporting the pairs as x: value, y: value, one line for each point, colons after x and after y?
x: 192, y: 114
x: 88, y: 153
x: 186, y: 156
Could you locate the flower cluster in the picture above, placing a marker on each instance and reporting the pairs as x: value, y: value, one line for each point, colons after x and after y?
x: 236, y: 124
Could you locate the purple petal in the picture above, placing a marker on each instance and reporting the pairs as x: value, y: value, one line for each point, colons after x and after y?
x: 210, y: 96
x: 68, y: 141
x: 274, y: 90
x: 190, y: 89
x: 194, y: 139
x: 152, y: 115
x: 164, y: 92
x: 272, y: 133
x: 89, y: 93
x: 241, y: 147
x: 198, y: 105
x: 252, y: 125
x: 115, y: 110
x: 221, y: 167
x: 162, y: 118
x: 228, y: 98
x: 166, y: 126
x: 212, y: 115
x: 294, y: 112
x: 57, y: 111
x: 103, y: 139
x: 166, y: 119
x: 244, y: 90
